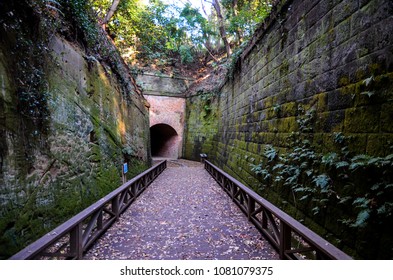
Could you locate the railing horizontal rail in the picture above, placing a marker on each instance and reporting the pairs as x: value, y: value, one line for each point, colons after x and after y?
x: 289, y: 237
x: 72, y: 238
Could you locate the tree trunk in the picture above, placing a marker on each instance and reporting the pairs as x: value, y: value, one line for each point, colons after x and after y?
x: 238, y: 31
x: 210, y: 53
x: 223, y: 34
x: 234, y: 6
x: 111, y: 12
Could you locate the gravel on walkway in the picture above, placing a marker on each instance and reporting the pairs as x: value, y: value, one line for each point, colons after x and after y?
x: 183, y: 214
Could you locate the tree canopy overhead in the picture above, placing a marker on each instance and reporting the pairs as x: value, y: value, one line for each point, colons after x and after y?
x: 167, y: 32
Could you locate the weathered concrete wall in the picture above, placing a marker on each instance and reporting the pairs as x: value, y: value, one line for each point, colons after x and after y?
x: 163, y: 85
x: 333, y: 58
x: 52, y: 169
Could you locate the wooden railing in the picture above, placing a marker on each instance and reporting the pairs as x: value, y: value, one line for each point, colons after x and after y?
x: 71, y: 239
x: 289, y: 237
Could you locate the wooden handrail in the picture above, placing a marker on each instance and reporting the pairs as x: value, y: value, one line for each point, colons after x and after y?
x: 289, y: 237
x: 72, y: 238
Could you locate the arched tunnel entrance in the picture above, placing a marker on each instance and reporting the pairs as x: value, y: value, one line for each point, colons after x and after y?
x: 164, y: 141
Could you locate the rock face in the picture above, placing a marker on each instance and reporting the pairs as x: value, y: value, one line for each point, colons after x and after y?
x: 62, y: 144
x: 318, y: 69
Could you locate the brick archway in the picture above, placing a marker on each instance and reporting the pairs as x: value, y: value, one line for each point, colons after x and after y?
x: 166, y: 122
x: 166, y: 97
x: 164, y: 141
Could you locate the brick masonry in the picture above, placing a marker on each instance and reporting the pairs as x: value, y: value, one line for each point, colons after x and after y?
x: 165, y: 95
x: 169, y: 111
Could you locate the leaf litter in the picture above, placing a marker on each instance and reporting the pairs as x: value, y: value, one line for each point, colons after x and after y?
x: 183, y: 214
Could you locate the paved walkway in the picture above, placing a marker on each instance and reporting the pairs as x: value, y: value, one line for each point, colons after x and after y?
x: 183, y: 214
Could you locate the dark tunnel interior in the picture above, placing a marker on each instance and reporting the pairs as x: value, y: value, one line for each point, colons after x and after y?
x: 163, y: 141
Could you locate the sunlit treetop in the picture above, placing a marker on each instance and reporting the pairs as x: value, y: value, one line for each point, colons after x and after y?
x: 165, y: 29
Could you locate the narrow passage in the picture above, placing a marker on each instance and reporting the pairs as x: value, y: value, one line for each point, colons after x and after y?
x: 184, y: 214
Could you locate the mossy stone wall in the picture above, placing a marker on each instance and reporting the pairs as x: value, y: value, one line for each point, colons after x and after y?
x: 51, y: 170
x: 201, y: 126
x: 335, y: 57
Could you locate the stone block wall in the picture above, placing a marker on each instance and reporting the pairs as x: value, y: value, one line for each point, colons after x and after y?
x: 201, y: 126
x: 162, y: 84
x: 333, y: 58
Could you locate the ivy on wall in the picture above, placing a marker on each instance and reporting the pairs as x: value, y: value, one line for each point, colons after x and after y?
x: 339, y: 179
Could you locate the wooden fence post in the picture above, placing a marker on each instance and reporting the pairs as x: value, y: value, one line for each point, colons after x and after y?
x: 76, y: 246
x: 250, y: 207
x: 285, y: 239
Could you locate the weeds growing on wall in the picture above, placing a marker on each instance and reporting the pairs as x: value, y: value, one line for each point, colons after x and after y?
x: 207, y: 98
x: 360, y: 184
x: 25, y: 37
x: 75, y: 20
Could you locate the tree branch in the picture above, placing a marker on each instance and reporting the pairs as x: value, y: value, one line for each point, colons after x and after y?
x: 223, y: 34
x: 111, y: 11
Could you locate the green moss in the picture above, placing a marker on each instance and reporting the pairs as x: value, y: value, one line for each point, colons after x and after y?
x: 281, y: 140
x: 360, y: 74
x: 266, y: 137
x: 343, y: 81
x: 84, y: 171
x: 270, y: 113
x: 375, y: 69
x: 268, y: 102
x: 289, y: 109
x: 201, y: 125
x: 357, y: 143
x: 377, y: 145
x: 362, y: 119
x: 287, y: 125
x: 387, y: 117
x: 284, y: 68
x: 321, y: 102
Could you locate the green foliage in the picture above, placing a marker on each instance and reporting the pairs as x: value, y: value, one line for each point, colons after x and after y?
x: 305, y: 119
x: 266, y: 170
x: 360, y: 182
x: 368, y: 83
x: 27, y: 35
x: 154, y: 32
x: 277, y: 109
x: 195, y: 25
x: 159, y: 32
x: 207, y: 98
x: 244, y: 19
x: 186, y: 54
x: 270, y: 153
x: 78, y: 13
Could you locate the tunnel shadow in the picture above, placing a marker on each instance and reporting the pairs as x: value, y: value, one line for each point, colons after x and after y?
x: 164, y: 141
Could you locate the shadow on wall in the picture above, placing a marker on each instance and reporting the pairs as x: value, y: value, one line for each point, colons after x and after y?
x: 164, y: 141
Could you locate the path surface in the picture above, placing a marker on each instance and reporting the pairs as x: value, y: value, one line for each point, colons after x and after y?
x: 183, y: 214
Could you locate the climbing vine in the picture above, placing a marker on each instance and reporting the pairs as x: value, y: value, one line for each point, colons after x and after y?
x: 207, y: 98
x: 339, y: 179
x: 84, y: 28
x: 26, y: 35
